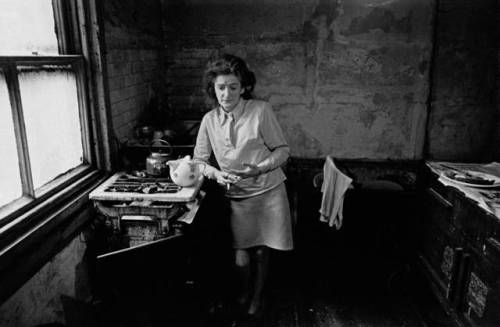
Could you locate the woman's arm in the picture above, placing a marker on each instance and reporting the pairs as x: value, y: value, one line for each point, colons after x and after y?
x: 276, y: 159
x: 273, y: 161
x: 203, y: 149
x: 274, y: 139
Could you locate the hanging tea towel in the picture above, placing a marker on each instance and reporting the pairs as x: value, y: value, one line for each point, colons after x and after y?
x: 335, y: 184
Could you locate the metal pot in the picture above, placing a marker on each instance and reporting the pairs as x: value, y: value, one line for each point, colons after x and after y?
x: 144, y: 134
x: 156, y: 162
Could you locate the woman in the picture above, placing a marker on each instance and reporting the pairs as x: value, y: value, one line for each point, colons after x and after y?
x: 249, y: 147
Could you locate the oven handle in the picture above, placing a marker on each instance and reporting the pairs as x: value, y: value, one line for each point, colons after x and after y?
x: 149, y: 203
x: 137, y: 218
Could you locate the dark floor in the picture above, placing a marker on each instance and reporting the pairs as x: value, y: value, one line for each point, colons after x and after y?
x: 300, y: 295
x: 363, y: 275
x: 320, y: 288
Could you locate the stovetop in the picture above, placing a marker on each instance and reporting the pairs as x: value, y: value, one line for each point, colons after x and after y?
x: 144, y: 185
x: 124, y: 186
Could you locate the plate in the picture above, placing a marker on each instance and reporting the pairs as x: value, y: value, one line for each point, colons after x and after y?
x: 474, y: 176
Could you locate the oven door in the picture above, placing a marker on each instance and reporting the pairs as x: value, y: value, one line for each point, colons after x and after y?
x: 144, y: 278
x: 132, y: 254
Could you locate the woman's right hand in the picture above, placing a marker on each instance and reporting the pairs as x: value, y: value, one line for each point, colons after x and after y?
x: 225, y: 178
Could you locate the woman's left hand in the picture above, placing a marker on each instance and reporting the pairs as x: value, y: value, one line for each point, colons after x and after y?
x: 251, y: 170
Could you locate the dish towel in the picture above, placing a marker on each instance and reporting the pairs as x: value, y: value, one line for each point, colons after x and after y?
x: 335, y: 184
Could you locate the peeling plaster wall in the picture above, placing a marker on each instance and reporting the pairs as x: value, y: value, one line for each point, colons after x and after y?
x: 39, y: 301
x: 464, y: 109
x: 347, y: 78
x: 133, y: 41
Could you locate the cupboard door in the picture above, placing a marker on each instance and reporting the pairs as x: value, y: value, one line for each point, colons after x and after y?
x: 475, y: 224
x: 481, y: 301
x: 441, y: 244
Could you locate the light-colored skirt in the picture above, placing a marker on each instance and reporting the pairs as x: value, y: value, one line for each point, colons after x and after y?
x: 263, y: 219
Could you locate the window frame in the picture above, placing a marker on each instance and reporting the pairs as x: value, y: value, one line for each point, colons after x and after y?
x: 41, y: 228
x: 71, y: 18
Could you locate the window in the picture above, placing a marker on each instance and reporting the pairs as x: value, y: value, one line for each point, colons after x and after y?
x: 44, y: 120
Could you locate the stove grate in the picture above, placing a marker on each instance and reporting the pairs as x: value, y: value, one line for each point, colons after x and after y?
x: 131, y: 184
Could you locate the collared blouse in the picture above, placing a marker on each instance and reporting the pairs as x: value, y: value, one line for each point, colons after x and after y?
x: 249, y: 134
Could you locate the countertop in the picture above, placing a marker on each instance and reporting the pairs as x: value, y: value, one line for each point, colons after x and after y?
x: 487, y: 197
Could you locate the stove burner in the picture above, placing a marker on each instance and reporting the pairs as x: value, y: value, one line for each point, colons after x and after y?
x: 130, y: 184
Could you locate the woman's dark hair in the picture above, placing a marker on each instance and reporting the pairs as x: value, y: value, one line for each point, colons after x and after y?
x: 227, y: 64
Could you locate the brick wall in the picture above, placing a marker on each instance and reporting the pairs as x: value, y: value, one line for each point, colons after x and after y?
x: 134, y: 57
x: 183, y: 81
x: 133, y: 78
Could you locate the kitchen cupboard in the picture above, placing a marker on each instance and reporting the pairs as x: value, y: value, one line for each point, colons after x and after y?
x: 459, y: 253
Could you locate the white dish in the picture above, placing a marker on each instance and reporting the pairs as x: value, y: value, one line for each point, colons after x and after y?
x: 475, y: 174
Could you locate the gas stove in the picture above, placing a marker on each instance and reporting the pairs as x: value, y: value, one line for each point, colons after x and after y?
x: 124, y: 186
x: 142, y: 209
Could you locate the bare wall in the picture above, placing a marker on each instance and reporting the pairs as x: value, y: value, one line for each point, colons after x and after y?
x: 497, y: 142
x: 134, y: 56
x: 347, y: 78
x: 39, y: 301
x: 464, y: 112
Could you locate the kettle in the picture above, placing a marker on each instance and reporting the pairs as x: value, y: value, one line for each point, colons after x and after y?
x: 156, y: 162
x: 185, y: 172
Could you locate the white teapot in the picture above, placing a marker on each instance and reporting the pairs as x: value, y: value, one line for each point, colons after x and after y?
x: 184, y: 172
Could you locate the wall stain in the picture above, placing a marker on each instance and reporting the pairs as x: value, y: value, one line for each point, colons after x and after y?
x: 383, y: 19
x: 423, y: 67
x: 409, y: 98
x: 367, y: 117
x: 387, y: 144
x: 379, y: 99
x: 301, y: 143
x: 316, y: 32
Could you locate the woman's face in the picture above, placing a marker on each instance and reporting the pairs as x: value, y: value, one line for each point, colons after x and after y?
x: 228, y: 91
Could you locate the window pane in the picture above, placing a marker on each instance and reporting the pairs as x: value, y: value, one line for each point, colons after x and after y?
x: 27, y: 26
x: 10, y: 180
x: 50, y: 106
